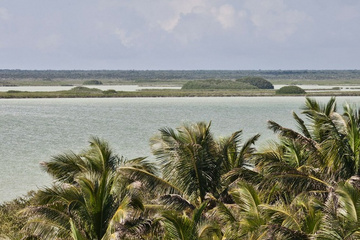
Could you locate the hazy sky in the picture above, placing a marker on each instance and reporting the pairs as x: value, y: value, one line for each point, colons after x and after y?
x: 179, y: 34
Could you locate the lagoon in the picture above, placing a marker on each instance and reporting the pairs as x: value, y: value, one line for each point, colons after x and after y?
x: 33, y: 130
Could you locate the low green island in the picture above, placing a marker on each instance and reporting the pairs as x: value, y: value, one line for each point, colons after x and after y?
x: 290, y: 90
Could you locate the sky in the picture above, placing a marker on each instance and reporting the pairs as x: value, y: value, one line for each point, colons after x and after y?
x: 179, y: 34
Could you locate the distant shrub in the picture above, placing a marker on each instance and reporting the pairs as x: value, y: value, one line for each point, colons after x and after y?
x: 14, y: 91
x: 92, y: 82
x: 110, y: 91
x: 290, y: 90
x: 216, y: 84
x: 84, y: 89
x: 258, y: 82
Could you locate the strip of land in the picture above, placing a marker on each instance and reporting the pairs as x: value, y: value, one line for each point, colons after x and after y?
x: 90, y: 93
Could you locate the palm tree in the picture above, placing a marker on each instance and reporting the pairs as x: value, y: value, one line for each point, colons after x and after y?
x: 311, y: 164
x: 196, y: 226
x: 189, y: 159
x: 90, y: 199
x: 193, y: 161
x: 338, y: 135
x: 244, y: 218
x: 326, y: 150
x: 341, y: 214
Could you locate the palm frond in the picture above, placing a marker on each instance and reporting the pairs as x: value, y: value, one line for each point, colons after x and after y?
x: 175, y: 201
x: 291, y: 134
x: 301, y: 125
x: 64, y: 167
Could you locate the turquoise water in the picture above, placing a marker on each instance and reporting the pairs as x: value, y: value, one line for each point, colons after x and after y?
x: 33, y: 130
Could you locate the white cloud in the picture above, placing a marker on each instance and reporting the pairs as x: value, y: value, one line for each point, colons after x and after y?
x: 273, y: 19
x: 127, y: 39
x: 178, y: 33
x: 226, y: 15
x: 169, y: 24
x: 167, y: 14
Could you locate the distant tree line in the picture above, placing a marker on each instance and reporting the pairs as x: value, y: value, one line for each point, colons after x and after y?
x: 148, y: 75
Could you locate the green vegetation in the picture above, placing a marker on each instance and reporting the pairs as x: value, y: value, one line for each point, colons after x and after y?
x: 290, y: 90
x: 216, y: 84
x: 173, y: 77
x: 11, y: 222
x: 258, y: 82
x: 92, y: 82
x: 84, y: 92
x: 306, y: 185
x: 239, y: 84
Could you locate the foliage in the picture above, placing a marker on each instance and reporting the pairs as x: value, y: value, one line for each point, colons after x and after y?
x: 85, y: 90
x: 258, y: 82
x: 110, y: 91
x: 11, y: 222
x: 90, y: 198
x: 290, y: 90
x: 156, y: 75
x: 217, y: 84
x: 142, y: 93
x: 191, y: 159
x: 92, y: 82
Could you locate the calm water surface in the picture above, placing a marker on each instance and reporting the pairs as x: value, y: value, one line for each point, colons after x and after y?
x: 33, y: 130
x: 126, y: 88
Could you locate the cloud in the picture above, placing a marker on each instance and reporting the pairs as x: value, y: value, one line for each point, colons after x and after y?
x: 273, y: 19
x: 177, y: 9
x: 127, y: 39
x: 226, y: 15
x: 190, y: 34
x: 190, y: 21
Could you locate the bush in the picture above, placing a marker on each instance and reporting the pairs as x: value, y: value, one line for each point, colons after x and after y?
x: 110, y: 91
x: 258, y: 82
x: 290, y: 90
x: 11, y: 221
x: 92, y: 82
x: 84, y: 89
x: 217, y: 84
x: 14, y: 91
